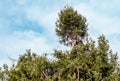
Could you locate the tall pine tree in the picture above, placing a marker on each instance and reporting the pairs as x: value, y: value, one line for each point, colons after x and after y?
x: 70, y: 26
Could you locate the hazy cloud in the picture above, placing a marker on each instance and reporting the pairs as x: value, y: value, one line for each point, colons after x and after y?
x: 28, y: 24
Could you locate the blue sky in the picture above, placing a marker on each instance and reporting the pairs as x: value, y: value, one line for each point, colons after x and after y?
x: 30, y: 24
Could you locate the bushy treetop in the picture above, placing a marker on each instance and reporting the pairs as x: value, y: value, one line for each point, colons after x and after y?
x: 70, y: 24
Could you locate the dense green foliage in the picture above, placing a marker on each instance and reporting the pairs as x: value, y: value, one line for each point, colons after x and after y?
x: 70, y: 24
x: 88, y: 62
x: 91, y: 61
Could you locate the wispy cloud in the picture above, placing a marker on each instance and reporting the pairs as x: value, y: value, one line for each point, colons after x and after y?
x: 28, y: 24
x: 103, y: 18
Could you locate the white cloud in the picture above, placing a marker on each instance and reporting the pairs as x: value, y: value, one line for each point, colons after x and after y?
x: 25, y: 40
x: 22, y: 2
x: 17, y: 43
x: 103, y: 24
x: 105, y: 6
x: 45, y: 18
x: 100, y: 23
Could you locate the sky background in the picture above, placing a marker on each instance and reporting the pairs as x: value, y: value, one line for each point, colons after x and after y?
x: 30, y: 24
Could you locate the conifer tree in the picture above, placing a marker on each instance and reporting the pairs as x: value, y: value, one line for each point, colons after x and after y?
x: 70, y: 26
x: 90, y: 61
x: 30, y: 67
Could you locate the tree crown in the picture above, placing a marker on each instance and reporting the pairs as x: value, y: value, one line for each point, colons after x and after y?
x: 69, y: 25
